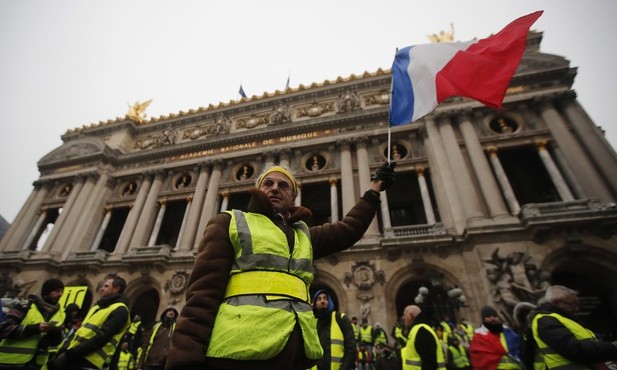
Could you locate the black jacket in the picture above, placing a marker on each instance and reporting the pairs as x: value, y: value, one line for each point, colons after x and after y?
x: 323, y: 330
x: 561, y: 340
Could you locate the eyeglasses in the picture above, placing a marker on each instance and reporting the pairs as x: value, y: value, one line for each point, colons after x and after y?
x: 282, y: 185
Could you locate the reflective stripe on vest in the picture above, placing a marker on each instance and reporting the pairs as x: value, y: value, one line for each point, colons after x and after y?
x: 459, y: 356
x: 125, y: 361
x: 267, y: 283
x: 259, y: 245
x: 91, y: 326
x: 134, y: 327
x: 411, y: 358
x: 552, y: 359
x: 155, y: 330
x: 22, y: 351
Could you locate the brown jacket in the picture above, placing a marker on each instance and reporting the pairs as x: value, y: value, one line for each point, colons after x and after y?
x: 208, y: 281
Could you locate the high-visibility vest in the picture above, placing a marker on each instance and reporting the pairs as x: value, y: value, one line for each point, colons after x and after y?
x: 468, y: 329
x: 155, y: 329
x: 411, y: 358
x: 91, y: 325
x: 366, y: 334
x: 459, y: 356
x: 126, y: 361
x: 268, y: 288
x: 133, y: 328
x: 552, y: 359
x: 381, y: 338
x: 398, y: 334
x: 22, y: 351
x: 356, y: 332
x: 337, y: 344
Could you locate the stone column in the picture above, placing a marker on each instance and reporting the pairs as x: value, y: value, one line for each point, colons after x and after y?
x: 333, y: 200
x: 146, y: 219
x: 601, y: 152
x: 269, y: 160
x: 27, y: 216
x: 284, y: 159
x: 591, y: 181
x: 364, y: 180
x: 298, y: 200
x: 66, y: 210
x: 465, y: 187
x: 101, y: 232
x: 61, y: 244
x: 385, y: 211
x: 502, y: 179
x: 426, y: 197
x: 189, y: 203
x: 562, y: 164
x: 482, y: 169
x: 131, y: 220
x: 553, y: 172
x: 447, y: 177
x: 7, y: 243
x: 349, y: 194
x: 188, y: 236
x: 225, y: 201
x: 157, y: 223
x: 209, y: 203
x: 89, y: 217
x: 37, y: 226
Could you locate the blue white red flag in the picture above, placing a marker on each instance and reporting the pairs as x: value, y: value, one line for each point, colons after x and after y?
x: 425, y: 75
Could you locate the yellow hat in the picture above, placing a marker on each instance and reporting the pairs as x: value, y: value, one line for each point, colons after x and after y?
x: 282, y: 170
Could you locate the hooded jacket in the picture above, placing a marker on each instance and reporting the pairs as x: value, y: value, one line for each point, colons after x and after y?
x: 154, y: 353
x: 213, y: 263
x: 324, y: 325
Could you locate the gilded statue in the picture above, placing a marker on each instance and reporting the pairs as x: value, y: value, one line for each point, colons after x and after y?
x: 443, y: 36
x: 137, y: 111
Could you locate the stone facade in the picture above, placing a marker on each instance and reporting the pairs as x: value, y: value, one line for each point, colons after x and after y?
x: 489, y: 207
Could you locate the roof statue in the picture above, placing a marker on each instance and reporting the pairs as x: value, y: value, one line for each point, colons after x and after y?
x: 443, y: 36
x: 137, y: 111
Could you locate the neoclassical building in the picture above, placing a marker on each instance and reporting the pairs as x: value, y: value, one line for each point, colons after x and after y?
x: 489, y: 207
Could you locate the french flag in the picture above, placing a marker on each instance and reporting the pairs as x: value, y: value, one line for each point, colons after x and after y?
x: 425, y: 75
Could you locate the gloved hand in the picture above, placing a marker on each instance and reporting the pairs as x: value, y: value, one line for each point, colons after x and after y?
x: 59, y: 363
x: 386, y: 174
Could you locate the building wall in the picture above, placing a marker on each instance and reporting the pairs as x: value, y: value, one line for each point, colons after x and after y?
x: 511, y: 199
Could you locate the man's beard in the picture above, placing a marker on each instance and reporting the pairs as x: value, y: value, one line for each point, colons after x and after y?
x: 494, y: 328
x: 321, y: 312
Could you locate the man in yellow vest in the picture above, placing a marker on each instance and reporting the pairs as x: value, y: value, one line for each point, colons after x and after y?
x: 30, y: 327
x: 366, y: 335
x: 247, y: 302
x: 423, y: 350
x: 458, y: 358
x: 563, y: 342
x: 98, y: 337
x: 156, y: 344
x: 335, y: 335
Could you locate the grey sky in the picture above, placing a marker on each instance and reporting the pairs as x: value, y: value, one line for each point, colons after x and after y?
x: 64, y: 64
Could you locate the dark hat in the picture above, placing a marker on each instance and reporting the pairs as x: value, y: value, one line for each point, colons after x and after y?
x: 488, y: 311
x: 51, y: 285
x: 71, y: 307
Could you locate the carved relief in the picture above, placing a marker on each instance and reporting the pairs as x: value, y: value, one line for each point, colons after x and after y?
x: 280, y: 114
x: 167, y: 137
x: 349, y: 101
x: 253, y: 121
x: 364, y: 275
x: 380, y: 98
x: 315, y: 109
x: 178, y: 283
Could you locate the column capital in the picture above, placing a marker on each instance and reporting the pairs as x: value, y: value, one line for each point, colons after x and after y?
x: 491, y: 150
x: 361, y: 141
x: 189, y: 198
x: 420, y: 170
x: 108, y: 208
x: 344, y: 144
x: 541, y: 144
x: 332, y: 181
x: 225, y: 194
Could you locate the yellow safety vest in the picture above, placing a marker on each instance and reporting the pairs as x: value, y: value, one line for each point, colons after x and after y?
x: 410, y: 357
x: 91, y: 325
x: 381, y: 338
x: 366, y: 335
x: 468, y: 329
x: 22, y: 351
x: 337, y: 344
x: 398, y: 333
x: 268, y: 288
x: 125, y: 361
x: 133, y: 328
x: 459, y: 357
x: 155, y: 329
x: 355, y: 331
x: 552, y: 359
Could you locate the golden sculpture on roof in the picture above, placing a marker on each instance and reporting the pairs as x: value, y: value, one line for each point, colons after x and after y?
x: 443, y: 36
x: 137, y: 111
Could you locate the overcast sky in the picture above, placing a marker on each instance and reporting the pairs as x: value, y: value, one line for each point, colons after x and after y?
x: 65, y: 64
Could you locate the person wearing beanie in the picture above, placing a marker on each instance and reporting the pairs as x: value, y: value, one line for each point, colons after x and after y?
x: 335, y: 334
x: 494, y: 345
x: 248, y: 304
x: 156, y: 344
x: 30, y: 327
